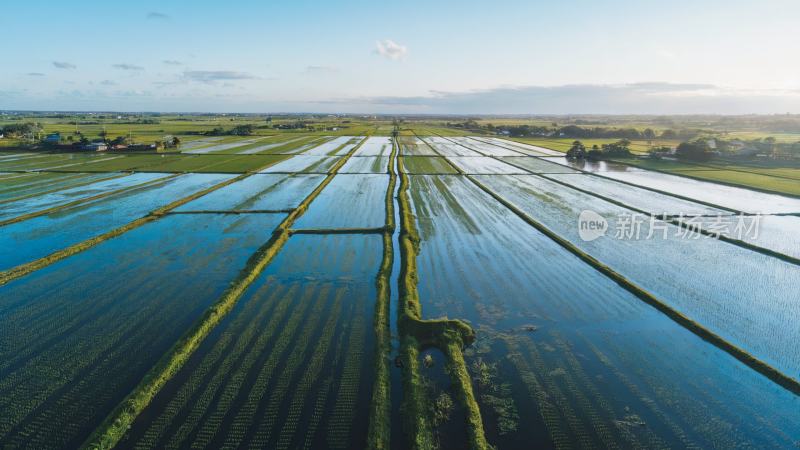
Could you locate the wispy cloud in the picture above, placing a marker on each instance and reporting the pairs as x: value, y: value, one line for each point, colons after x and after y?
x: 154, y: 15
x: 321, y: 69
x: 212, y: 76
x: 109, y: 83
x: 130, y: 67
x: 64, y: 65
x: 10, y: 93
x: 35, y: 74
x: 172, y: 62
x: 633, y: 98
x: 391, y: 49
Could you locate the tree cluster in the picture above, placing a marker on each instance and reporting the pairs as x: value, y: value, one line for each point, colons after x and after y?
x: 21, y: 129
x: 238, y: 130
x: 697, y: 150
x: 617, y: 149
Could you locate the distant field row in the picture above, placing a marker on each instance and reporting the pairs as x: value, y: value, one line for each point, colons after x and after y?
x: 266, y: 282
x: 784, y: 180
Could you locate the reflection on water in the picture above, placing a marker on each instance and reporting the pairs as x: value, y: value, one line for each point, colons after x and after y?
x: 592, y: 166
x: 290, y: 367
x: 586, y: 363
x: 80, y: 334
x: 35, y: 238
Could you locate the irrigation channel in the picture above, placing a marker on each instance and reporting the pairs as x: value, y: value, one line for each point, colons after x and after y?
x: 420, y: 292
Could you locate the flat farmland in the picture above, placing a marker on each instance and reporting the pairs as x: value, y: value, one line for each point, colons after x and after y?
x: 352, y: 289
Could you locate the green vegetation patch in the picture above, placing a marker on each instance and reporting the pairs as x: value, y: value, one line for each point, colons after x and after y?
x: 428, y: 165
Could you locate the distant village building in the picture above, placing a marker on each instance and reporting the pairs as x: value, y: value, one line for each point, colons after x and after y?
x: 747, y: 151
x: 52, y: 138
x: 96, y: 146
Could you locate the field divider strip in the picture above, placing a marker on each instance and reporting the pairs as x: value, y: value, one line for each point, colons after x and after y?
x: 672, y: 220
x: 337, y: 149
x: 377, y: 230
x: 235, y: 211
x: 97, y: 160
x: 64, y: 188
x: 450, y: 163
x: 704, y: 333
x: 515, y: 150
x: 725, y: 183
x: 380, y: 422
x: 80, y: 201
x: 116, y: 424
x: 671, y: 194
x: 706, y: 180
x: 448, y: 335
x: 24, y: 269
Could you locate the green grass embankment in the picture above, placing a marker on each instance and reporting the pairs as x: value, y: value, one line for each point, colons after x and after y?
x: 119, y: 421
x: 447, y: 335
x: 24, y: 269
x: 380, y: 428
x: 697, y: 328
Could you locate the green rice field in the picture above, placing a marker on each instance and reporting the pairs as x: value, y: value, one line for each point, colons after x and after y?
x: 388, y: 287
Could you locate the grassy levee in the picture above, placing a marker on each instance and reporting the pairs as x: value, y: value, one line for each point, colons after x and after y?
x: 740, y: 243
x: 92, y: 198
x: 448, y: 335
x: 704, y: 333
x: 118, y: 421
x: 676, y: 222
x: 24, y: 269
x: 697, y: 328
x: 379, y: 230
x: 235, y: 211
x: 597, y: 174
x: 721, y: 164
x: 71, y: 186
x: 450, y: 163
x: 380, y: 427
x: 731, y: 183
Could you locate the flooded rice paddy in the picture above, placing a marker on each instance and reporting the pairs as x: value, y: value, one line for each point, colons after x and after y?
x: 144, y: 304
x: 77, y: 338
x: 26, y: 241
x: 290, y: 367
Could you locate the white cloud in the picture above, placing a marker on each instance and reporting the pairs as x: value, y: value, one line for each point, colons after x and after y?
x: 633, y: 98
x: 321, y: 69
x: 130, y: 67
x: 153, y: 15
x: 172, y: 62
x: 64, y: 65
x: 210, y: 76
x: 391, y: 49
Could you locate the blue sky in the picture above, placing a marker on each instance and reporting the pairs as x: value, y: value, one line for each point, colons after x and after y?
x: 615, y: 56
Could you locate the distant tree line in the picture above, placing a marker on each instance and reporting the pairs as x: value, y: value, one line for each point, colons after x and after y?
x: 576, y: 131
x: 238, y: 130
x: 617, y: 149
x: 16, y: 130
